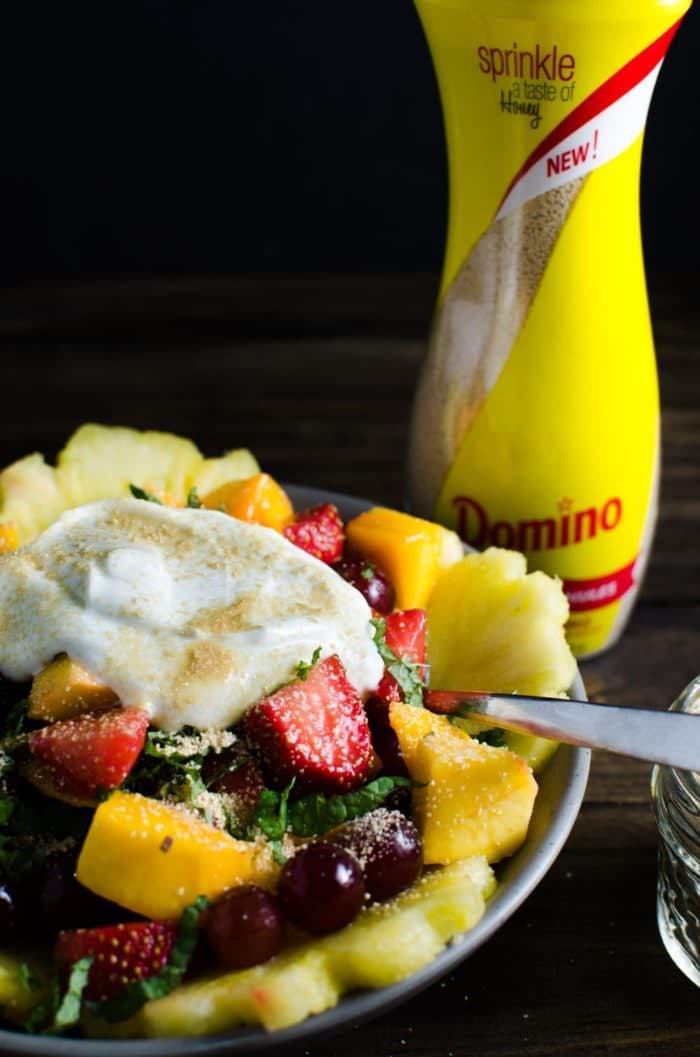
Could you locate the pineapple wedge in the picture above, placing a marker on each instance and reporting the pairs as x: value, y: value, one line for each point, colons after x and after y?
x: 492, y: 626
x: 30, y: 496
x: 100, y: 462
x: 409, y: 932
x: 211, y: 474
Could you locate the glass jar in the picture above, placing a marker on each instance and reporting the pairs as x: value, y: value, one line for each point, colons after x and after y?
x: 676, y: 799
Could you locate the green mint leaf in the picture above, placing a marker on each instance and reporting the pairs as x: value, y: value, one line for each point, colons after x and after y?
x: 193, y: 500
x: 304, y: 667
x: 277, y: 849
x: 44, y: 1013
x: 135, y: 995
x: 7, y: 806
x: 406, y: 673
x: 271, y: 819
x: 27, y: 977
x: 68, y: 1013
x: 367, y: 573
x: 141, y: 493
x: 16, y: 720
x: 315, y: 814
x: 61, y: 1011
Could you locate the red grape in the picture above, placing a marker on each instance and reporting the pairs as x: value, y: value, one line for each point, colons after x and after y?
x: 370, y: 581
x: 244, y: 927
x: 388, y: 848
x: 321, y: 888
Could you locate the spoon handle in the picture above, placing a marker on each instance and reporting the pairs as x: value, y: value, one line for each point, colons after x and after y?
x: 671, y: 738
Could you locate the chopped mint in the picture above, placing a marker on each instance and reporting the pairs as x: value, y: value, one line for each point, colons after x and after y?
x: 16, y: 719
x: 68, y: 1013
x: 193, y: 500
x: 304, y: 667
x: 136, y: 994
x: 312, y: 815
x: 367, y: 573
x: 141, y: 493
x: 271, y: 818
x: 406, y: 673
x: 315, y: 814
x: 61, y: 1011
x: 7, y: 806
x: 27, y: 978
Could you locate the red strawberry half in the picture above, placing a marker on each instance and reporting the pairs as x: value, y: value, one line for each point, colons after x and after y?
x: 91, y: 752
x: 319, y: 531
x: 405, y: 637
x: 314, y: 730
x: 121, y: 953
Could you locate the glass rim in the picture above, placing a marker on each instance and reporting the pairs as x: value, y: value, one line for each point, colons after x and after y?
x: 688, y: 701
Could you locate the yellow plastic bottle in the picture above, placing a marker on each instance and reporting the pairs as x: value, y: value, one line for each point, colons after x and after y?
x: 536, y: 422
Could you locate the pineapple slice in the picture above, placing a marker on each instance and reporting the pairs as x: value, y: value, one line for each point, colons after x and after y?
x: 30, y: 496
x: 213, y: 473
x: 99, y: 462
x: 409, y: 932
x: 492, y: 627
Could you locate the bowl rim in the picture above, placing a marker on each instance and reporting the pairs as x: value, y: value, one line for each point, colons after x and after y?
x: 567, y: 771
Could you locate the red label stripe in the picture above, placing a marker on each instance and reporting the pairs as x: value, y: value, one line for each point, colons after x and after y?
x: 601, y: 591
x: 604, y: 96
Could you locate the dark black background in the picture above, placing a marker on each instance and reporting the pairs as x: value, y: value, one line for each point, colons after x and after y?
x: 164, y: 137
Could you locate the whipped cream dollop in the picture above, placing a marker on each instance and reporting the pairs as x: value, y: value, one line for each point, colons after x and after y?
x: 190, y: 614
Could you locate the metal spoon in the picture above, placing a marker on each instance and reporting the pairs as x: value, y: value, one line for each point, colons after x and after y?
x: 671, y: 738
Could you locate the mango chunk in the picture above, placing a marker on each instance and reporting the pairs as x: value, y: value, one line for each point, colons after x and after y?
x: 411, y: 551
x: 257, y: 499
x: 475, y: 799
x: 64, y: 689
x: 411, y: 725
x: 9, y: 537
x: 155, y: 859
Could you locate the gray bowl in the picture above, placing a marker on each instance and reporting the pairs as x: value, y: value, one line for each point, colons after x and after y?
x: 562, y: 787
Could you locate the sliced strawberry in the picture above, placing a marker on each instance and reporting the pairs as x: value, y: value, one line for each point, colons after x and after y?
x: 405, y: 636
x: 314, y: 730
x: 91, y: 752
x: 122, y: 954
x: 319, y: 531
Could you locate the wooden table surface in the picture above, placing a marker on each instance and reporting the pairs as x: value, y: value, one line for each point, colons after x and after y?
x: 316, y: 376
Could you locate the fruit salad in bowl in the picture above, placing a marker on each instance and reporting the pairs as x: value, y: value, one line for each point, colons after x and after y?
x: 225, y: 798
